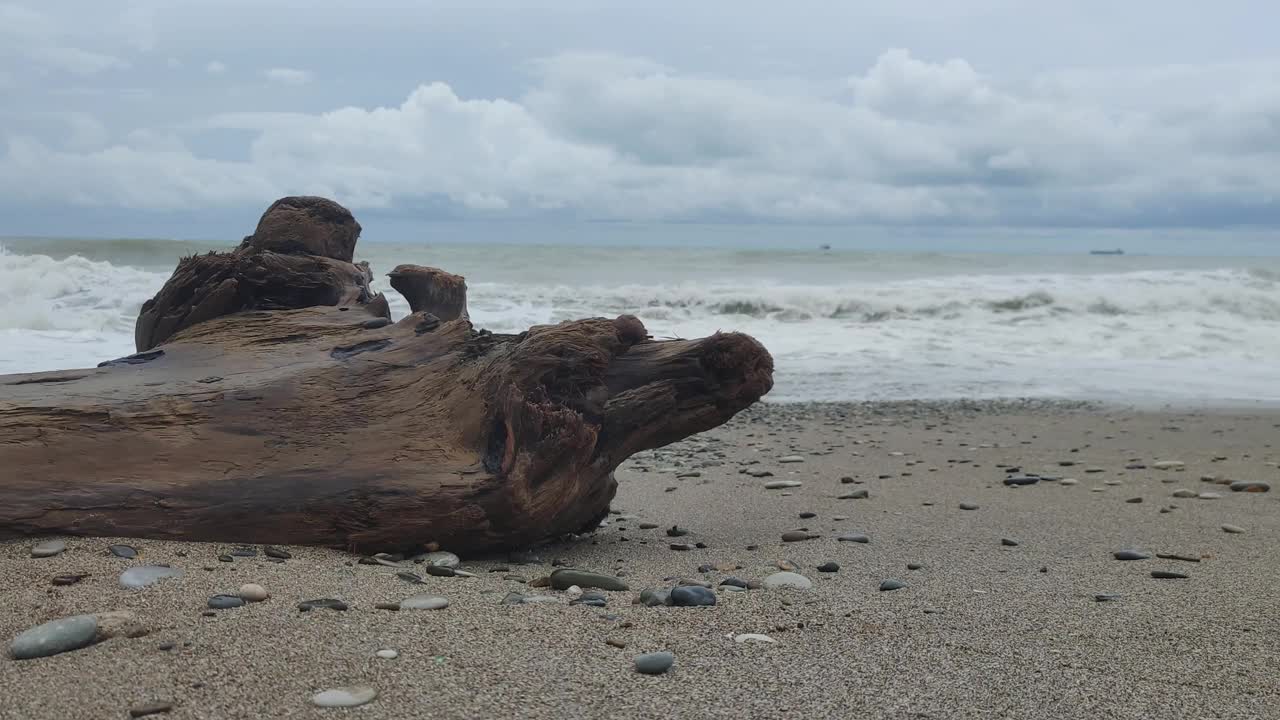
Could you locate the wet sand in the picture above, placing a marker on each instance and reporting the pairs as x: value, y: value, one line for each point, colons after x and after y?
x: 1015, y: 631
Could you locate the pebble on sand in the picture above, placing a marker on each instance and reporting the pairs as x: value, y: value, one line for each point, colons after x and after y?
x: 424, y: 602
x: 55, y: 636
x: 48, y: 548
x: 565, y: 578
x: 829, y: 567
x: 968, y: 506
x: 853, y: 537
x: 859, y: 494
x: 1233, y: 529
x: 654, y: 663
x: 1249, y: 487
x: 1168, y: 575
x: 253, y: 592
x: 753, y: 637
x: 892, y: 584
x: 782, y: 484
x: 144, y: 575
x: 1130, y: 555
x: 788, y: 580
x: 123, y: 551
x: 225, y: 602
x: 1106, y: 597
x: 353, y: 696
x: 1008, y: 542
x: 388, y: 654
x: 1169, y: 465
x: 692, y: 596
x: 441, y: 559
x: 797, y: 536
x: 791, y: 459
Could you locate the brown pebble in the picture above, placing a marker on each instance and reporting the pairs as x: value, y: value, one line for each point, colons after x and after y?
x: 387, y: 606
x: 796, y: 536
x: 614, y: 642
x: 540, y: 582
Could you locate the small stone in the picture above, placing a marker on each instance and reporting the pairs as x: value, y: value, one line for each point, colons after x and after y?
x: 123, y: 551
x: 564, y: 578
x: 440, y: 559
x: 55, y: 636
x: 787, y: 580
x: 64, y: 580
x: 808, y: 515
x: 648, y: 526
x: 1134, y: 501
x: 321, y: 604
x: 734, y: 582
x: 253, y: 592
x: 753, y: 637
x: 441, y: 571
x: 759, y: 473
x: 410, y: 577
x: 141, y: 576
x: 1209, y: 496
x: 892, y: 584
x: 381, y: 606
x: 49, y: 548
x: 387, y: 654
x: 1169, y: 465
x: 424, y: 602
x: 1106, y: 597
x: 1168, y: 575
x: 615, y: 642
x: 1184, y: 493
x: 791, y: 459
x: 787, y: 565
x: 680, y: 547
x: 352, y: 696
x: 676, y: 531
x: 1019, y: 481
x: 914, y: 566
x: 226, y: 558
x: 244, y: 552
x: 1130, y: 555
x: 593, y: 599
x: 274, y: 552
x: 853, y: 537
x: 782, y: 484
x: 225, y: 602
x: 829, y: 567
x: 654, y: 663
x: 1007, y: 542
x: 152, y: 708
x: 1233, y: 529
x: 1249, y: 487
x: 968, y: 506
x: 859, y: 494
x: 1069, y: 482
x: 653, y: 597
x: 1174, y: 556
x: 797, y: 536
x: 692, y: 596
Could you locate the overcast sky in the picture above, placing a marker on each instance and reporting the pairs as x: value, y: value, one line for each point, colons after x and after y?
x: 1023, y: 113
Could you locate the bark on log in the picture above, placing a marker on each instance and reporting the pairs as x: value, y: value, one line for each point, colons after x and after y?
x: 272, y: 401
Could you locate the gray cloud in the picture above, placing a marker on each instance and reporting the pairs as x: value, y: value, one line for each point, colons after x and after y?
x: 539, y: 120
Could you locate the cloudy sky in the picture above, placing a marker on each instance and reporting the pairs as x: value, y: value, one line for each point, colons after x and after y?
x: 123, y: 117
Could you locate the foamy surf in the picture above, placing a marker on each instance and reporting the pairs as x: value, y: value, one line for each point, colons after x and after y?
x: 876, y: 327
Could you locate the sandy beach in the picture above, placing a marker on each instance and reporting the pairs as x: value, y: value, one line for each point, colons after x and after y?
x: 983, y: 629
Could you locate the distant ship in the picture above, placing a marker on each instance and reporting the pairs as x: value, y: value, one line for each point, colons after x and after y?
x: 1117, y: 251
x: 824, y: 247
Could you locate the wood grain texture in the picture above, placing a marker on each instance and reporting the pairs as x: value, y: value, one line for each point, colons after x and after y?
x: 272, y: 401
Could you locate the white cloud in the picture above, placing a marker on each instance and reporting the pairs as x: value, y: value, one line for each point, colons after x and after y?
x: 288, y: 76
x: 906, y: 141
x: 215, y: 67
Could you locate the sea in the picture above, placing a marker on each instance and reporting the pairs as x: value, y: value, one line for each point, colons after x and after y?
x: 842, y: 324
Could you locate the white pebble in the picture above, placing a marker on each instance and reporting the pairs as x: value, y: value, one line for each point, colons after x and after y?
x: 352, y: 696
x: 753, y: 637
x: 253, y: 592
x: 388, y: 654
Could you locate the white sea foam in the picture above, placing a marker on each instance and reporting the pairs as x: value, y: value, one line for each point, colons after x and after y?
x: 877, y: 328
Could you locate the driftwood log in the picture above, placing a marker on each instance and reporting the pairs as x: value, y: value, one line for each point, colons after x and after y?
x: 272, y: 400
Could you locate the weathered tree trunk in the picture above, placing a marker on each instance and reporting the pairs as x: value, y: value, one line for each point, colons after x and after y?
x: 272, y: 400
